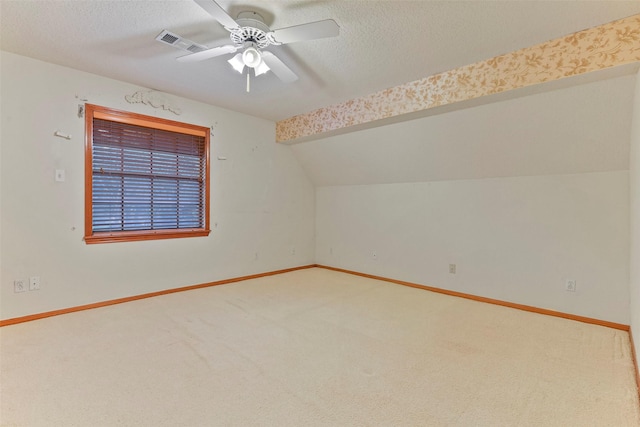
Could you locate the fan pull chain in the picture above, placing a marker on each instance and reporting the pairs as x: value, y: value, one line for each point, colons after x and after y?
x: 248, y: 84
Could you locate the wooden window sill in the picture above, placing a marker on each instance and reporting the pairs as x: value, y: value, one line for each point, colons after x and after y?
x: 132, y: 236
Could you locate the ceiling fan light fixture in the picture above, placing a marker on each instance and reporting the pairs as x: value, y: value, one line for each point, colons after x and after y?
x: 261, y: 68
x: 251, y: 57
x: 237, y: 63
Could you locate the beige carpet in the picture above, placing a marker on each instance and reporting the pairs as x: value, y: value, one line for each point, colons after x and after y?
x: 314, y: 348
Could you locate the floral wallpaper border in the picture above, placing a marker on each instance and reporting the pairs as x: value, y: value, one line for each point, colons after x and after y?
x: 609, y: 45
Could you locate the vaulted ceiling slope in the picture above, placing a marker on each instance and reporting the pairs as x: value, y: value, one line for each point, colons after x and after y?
x: 584, y: 128
x: 382, y: 44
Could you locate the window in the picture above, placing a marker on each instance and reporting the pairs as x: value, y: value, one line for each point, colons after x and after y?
x: 145, y: 177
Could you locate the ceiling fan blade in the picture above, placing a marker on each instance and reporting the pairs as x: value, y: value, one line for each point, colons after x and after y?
x: 207, y: 54
x: 278, y: 67
x: 310, y: 31
x: 218, y: 13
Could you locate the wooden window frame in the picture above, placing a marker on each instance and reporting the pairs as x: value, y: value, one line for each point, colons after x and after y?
x: 97, y: 112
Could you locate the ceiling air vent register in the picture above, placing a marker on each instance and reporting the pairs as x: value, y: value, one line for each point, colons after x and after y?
x: 175, y: 40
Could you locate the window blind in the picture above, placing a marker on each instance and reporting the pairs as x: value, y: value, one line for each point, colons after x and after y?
x: 146, y: 179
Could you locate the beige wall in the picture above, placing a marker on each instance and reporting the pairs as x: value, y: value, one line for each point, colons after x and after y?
x: 521, y: 195
x: 261, y: 201
x: 513, y: 239
x: 635, y: 219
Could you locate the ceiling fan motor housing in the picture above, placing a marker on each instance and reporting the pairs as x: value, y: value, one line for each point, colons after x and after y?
x: 251, y: 29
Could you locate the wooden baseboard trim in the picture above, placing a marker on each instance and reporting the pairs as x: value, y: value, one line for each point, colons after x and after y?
x: 634, y: 356
x: 613, y: 325
x: 37, y: 316
x: 605, y: 323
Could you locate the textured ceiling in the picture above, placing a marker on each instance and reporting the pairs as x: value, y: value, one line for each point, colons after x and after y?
x: 382, y: 43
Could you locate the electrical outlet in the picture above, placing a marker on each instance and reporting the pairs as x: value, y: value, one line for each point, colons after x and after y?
x: 19, y: 286
x: 374, y: 255
x: 570, y: 285
x: 452, y: 268
x: 34, y: 283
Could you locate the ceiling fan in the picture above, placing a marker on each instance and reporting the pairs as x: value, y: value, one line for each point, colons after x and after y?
x: 250, y: 35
